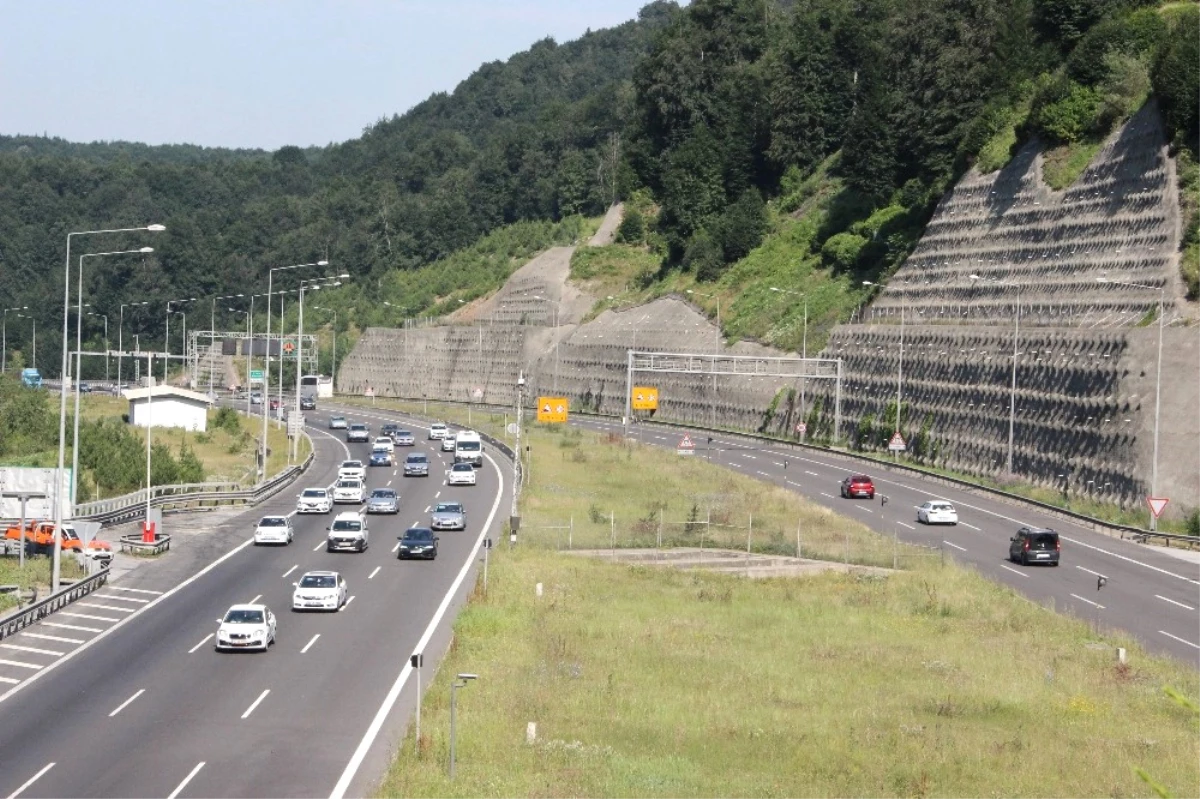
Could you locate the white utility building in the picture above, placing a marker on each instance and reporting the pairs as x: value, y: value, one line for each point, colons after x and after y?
x: 167, y: 406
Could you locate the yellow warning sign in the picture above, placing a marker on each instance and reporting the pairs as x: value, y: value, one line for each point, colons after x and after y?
x: 552, y: 409
x: 645, y: 398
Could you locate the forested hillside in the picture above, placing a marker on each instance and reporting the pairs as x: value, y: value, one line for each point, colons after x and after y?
x: 534, y: 138
x: 828, y: 129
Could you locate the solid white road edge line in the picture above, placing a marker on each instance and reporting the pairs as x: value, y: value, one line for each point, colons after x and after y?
x: 310, y: 643
x: 127, y: 702
x: 105, y: 633
x: 255, y: 703
x: 179, y: 789
x: 1173, y: 602
x: 30, y: 781
x: 389, y: 701
x: 203, y: 641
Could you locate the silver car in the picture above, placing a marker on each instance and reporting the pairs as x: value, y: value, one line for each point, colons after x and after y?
x: 383, y: 500
x: 449, y: 516
x: 416, y: 465
x: 404, y: 438
x: 337, y: 422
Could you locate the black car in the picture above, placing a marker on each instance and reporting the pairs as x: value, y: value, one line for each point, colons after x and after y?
x: 418, y: 542
x: 389, y: 430
x: 1034, y: 545
x: 308, y: 403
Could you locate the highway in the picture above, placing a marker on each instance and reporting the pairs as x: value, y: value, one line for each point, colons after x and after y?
x: 1149, y: 594
x: 127, y: 697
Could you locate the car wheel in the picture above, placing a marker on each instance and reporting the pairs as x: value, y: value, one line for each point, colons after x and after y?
x: 1024, y: 559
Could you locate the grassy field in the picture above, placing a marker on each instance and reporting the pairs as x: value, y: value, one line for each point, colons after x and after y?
x: 226, y: 457
x: 36, y: 573
x: 930, y: 681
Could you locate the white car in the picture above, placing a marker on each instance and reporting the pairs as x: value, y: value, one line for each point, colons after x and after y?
x: 314, y: 500
x: 438, y: 431
x: 349, y: 491
x: 937, y: 512
x: 461, y: 474
x: 448, y: 444
x: 319, y: 590
x: 273, y: 530
x: 384, y: 442
x: 352, y: 470
x: 246, y: 627
x: 348, y: 531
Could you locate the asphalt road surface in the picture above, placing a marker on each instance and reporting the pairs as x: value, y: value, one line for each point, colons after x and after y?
x: 128, y: 697
x: 1148, y: 593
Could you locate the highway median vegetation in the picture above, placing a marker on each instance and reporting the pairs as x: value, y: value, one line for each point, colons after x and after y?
x: 929, y: 680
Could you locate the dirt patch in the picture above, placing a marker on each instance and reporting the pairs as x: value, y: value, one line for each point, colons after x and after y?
x: 726, y: 560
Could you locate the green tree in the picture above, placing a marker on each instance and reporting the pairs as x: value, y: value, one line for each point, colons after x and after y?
x: 704, y: 256
x: 191, y: 470
x: 632, y: 229
x: 742, y: 226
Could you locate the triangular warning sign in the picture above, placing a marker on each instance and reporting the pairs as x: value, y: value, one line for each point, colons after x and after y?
x: 1157, y: 505
x: 546, y: 408
x: 686, y: 443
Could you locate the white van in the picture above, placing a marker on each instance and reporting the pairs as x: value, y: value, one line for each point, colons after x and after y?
x: 468, y: 448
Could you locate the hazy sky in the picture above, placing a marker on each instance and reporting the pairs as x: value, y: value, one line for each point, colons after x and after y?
x: 255, y: 73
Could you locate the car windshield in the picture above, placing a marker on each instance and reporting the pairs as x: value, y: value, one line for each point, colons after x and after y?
x: 860, y: 478
x: 358, y: 427
x: 379, y: 452
x: 468, y: 446
x: 383, y: 493
x: 338, y: 419
x: 416, y: 459
x: 244, y: 617
x: 319, y: 493
x: 448, y: 507
x: 273, y: 521
x: 1043, y: 540
x: 348, y: 484
x: 347, y: 525
x: 418, y: 534
x: 403, y: 433
x: 462, y: 467
x: 318, y: 581
x: 351, y: 464
x: 940, y: 506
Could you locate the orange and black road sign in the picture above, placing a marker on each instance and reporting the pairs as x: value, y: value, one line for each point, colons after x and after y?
x: 645, y: 398
x: 552, y: 409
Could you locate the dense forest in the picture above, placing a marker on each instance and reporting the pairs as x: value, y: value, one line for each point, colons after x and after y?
x: 717, y: 112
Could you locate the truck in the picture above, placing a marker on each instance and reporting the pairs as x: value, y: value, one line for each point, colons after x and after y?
x: 31, y: 378
x: 468, y: 448
x: 39, y: 538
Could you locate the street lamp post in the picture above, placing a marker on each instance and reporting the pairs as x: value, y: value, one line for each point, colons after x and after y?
x: 167, y: 334
x: 212, y: 335
x: 1157, y: 379
x: 803, y: 341
x: 334, y: 312
x: 1012, y: 394
x: 315, y: 284
x: 716, y: 349
x: 461, y: 682
x: 267, y: 359
x: 79, y: 365
x: 62, y: 396
x: 121, y: 335
x: 104, y: 316
x: 247, y: 315
x: 4, y: 345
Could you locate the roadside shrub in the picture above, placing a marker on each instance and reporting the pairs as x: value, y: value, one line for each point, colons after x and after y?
x: 633, y: 227
x: 227, y: 419
x: 841, y: 251
x: 1067, y: 112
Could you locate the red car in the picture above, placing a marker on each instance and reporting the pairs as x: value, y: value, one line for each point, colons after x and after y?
x: 858, y: 485
x: 274, y: 404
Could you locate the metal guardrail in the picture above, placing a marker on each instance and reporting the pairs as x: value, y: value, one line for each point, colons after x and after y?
x: 24, y: 617
x: 1124, y: 531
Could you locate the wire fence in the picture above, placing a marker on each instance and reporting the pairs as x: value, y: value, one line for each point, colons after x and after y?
x: 719, y: 530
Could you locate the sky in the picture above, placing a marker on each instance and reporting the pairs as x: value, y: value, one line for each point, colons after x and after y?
x: 255, y: 73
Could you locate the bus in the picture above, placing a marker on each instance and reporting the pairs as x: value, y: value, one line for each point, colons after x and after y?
x: 320, y: 386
